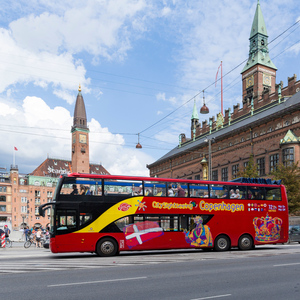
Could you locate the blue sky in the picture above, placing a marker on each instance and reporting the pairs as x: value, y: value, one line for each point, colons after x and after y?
x: 137, y: 62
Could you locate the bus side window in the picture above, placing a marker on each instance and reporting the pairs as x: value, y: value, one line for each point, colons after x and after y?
x: 65, y: 219
x: 183, y: 223
x: 273, y: 194
x: 257, y: 193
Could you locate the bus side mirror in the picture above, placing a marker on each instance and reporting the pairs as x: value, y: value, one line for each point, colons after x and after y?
x: 41, y: 211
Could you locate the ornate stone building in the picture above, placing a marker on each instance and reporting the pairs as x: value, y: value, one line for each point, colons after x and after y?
x: 21, y: 195
x: 267, y: 125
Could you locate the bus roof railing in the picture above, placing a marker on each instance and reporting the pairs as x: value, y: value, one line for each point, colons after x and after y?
x: 241, y: 180
x: 256, y: 180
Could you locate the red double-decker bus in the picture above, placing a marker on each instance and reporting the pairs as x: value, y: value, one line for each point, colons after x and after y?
x: 107, y: 214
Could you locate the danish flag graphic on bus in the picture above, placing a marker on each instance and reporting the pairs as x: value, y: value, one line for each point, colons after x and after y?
x: 140, y: 232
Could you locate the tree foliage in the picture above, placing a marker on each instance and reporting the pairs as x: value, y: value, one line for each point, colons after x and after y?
x: 290, y: 176
x: 250, y: 171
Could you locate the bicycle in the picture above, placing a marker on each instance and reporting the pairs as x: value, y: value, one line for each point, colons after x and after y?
x: 29, y: 242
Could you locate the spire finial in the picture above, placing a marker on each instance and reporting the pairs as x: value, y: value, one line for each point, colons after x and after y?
x: 79, y: 89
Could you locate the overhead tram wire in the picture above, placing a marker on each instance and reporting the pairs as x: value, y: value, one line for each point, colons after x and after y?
x: 65, y: 138
x: 181, y: 87
x: 219, y: 80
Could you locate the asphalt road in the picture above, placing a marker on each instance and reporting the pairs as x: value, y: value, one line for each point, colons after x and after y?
x: 268, y: 272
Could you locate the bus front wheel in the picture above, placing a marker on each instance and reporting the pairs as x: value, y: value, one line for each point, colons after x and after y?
x: 245, y: 242
x: 222, y: 243
x: 107, y: 247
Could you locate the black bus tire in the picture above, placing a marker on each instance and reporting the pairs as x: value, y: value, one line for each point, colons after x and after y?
x: 245, y: 242
x: 222, y: 243
x: 107, y: 247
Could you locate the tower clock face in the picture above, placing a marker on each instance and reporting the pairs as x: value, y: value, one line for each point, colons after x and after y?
x: 266, y: 79
x: 249, y: 81
x: 82, y: 138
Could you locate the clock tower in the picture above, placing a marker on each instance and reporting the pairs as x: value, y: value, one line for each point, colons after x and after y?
x: 80, y: 138
x: 259, y: 73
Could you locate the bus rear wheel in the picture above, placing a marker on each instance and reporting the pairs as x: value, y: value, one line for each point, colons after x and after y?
x: 245, y: 242
x: 222, y: 243
x: 107, y: 247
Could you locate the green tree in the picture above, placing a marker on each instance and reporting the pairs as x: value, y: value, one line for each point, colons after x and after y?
x: 290, y: 176
x: 250, y: 171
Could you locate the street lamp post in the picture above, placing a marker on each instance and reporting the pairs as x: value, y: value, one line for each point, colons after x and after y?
x: 209, y: 141
x: 23, y: 218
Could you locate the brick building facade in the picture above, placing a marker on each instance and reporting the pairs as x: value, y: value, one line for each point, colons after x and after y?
x: 21, y: 195
x: 267, y: 125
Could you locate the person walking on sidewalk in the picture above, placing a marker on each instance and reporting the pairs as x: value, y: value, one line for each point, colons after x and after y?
x: 7, y: 233
x: 39, y: 235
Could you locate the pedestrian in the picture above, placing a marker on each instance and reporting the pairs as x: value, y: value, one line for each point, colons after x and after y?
x: 7, y: 233
x: 26, y: 233
x: 39, y: 235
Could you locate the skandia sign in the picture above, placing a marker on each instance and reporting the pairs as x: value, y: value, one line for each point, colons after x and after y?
x: 57, y: 171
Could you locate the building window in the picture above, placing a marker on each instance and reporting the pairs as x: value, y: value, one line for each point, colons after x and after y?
x: 3, y: 189
x: 225, y: 174
x: 288, y: 156
x: 3, y: 208
x: 24, y: 209
x: 197, y: 177
x: 37, y: 193
x: 235, y: 169
x: 274, y: 161
x: 2, y: 198
x: 261, y: 166
x: 215, y: 175
x: 23, y: 199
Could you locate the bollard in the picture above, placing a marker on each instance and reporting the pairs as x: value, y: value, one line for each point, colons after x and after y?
x: 3, y: 240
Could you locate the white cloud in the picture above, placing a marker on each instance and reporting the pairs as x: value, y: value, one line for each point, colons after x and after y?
x: 22, y: 66
x: 36, y: 130
x: 5, y: 110
x: 162, y: 96
x: 111, y: 149
x: 108, y: 21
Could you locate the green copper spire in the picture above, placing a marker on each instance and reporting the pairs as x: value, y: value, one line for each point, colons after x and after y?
x: 195, y: 113
x: 258, y: 25
x: 258, y: 52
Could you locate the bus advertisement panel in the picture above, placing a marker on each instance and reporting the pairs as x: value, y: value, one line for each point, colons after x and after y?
x: 120, y: 213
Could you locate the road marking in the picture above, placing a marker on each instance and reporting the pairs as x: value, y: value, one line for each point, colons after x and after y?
x: 100, y: 281
x: 283, y: 265
x: 213, y: 297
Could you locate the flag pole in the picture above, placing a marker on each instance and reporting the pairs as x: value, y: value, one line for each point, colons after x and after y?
x: 221, y: 89
x: 14, y: 157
